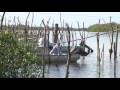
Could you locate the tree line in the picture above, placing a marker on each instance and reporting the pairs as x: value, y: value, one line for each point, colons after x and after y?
x: 103, y: 27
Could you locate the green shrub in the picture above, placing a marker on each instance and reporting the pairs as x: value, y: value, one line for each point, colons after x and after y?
x: 17, y: 58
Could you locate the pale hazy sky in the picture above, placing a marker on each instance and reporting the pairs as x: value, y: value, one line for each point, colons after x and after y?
x: 89, y: 18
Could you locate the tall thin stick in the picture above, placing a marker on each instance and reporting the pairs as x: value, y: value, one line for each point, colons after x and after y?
x: 83, y: 35
x: 98, y: 55
x: 48, y: 38
x: 103, y: 59
x: 69, y: 54
x: 44, y: 49
x: 2, y: 20
x: 116, y: 42
x: 114, y: 61
x: 99, y: 60
x: 111, y: 50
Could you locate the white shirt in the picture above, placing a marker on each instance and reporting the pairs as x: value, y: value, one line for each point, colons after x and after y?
x: 55, y: 50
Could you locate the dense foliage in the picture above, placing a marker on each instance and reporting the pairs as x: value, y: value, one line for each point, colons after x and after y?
x: 17, y: 57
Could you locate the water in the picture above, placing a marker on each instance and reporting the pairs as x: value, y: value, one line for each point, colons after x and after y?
x: 88, y: 68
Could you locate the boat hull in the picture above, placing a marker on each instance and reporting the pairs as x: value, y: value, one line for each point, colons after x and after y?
x: 58, y: 58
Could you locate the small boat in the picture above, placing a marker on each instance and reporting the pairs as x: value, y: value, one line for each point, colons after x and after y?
x: 58, y: 58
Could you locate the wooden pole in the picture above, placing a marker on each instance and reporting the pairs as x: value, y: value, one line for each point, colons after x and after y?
x: 44, y: 50
x: 48, y: 33
x: 116, y: 42
x: 114, y: 61
x: 2, y: 20
x: 69, y: 54
x: 99, y: 60
x: 111, y: 50
x: 103, y: 59
x: 98, y: 55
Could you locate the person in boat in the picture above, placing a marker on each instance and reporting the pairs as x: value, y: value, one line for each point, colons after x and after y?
x: 56, y: 49
x: 81, y: 49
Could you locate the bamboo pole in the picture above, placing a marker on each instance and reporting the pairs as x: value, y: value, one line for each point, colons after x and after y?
x: 114, y: 60
x: 69, y: 54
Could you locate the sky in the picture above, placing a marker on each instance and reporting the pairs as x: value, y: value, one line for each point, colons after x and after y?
x: 89, y: 18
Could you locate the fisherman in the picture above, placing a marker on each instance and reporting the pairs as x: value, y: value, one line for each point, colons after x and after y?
x: 83, y: 46
x: 81, y: 49
x: 56, y: 49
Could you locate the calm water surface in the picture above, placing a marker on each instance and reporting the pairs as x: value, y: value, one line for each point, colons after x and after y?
x: 88, y: 68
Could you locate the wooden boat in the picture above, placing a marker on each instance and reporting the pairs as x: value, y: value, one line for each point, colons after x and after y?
x: 58, y: 58
x: 64, y: 49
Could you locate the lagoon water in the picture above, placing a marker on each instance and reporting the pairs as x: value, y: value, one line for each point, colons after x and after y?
x: 87, y: 68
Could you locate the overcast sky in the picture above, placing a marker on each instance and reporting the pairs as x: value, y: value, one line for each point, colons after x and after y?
x: 89, y: 18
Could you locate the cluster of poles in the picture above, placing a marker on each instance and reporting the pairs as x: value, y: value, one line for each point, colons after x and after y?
x: 112, y: 50
x: 69, y: 37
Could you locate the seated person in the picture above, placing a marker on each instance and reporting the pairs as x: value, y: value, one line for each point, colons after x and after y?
x: 56, y: 49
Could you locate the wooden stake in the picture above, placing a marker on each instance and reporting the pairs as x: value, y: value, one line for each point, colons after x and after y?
x: 111, y: 50
x: 103, y: 59
x: 99, y: 63
x: 2, y: 20
x: 44, y: 49
x: 48, y: 38
x: 69, y: 54
x: 114, y: 61
x: 116, y: 42
x: 98, y: 55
